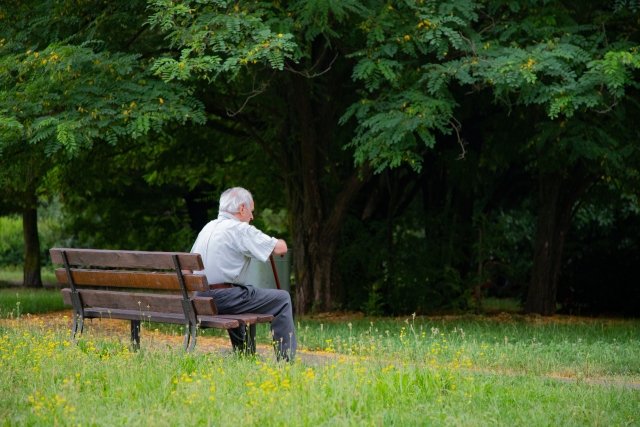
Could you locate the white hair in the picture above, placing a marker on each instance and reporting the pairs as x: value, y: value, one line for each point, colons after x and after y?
x: 232, y: 198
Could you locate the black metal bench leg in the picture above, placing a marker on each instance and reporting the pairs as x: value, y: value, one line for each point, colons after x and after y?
x: 135, y: 334
x: 194, y: 336
x: 78, y: 326
x: 74, y: 328
x: 187, y: 337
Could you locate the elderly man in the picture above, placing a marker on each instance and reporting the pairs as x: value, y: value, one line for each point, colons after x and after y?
x: 227, y: 245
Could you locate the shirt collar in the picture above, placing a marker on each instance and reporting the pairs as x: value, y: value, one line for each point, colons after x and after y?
x: 227, y: 215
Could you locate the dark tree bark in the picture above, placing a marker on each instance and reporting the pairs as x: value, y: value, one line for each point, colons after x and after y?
x: 558, y: 194
x: 317, y: 198
x: 316, y: 233
x: 32, y: 278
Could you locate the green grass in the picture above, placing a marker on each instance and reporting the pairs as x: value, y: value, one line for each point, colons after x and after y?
x: 46, y: 382
x: 15, y: 274
x: 456, y: 370
x: 17, y: 301
x: 585, y: 349
x: 499, y: 305
x: 378, y: 371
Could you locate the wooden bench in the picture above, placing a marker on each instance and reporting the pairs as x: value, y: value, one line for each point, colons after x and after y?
x: 129, y: 273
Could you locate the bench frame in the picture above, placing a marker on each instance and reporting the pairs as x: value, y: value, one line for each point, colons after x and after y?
x: 189, y: 316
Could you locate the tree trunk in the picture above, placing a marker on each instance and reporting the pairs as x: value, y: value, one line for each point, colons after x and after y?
x: 318, y: 194
x: 315, y: 242
x: 557, y: 198
x: 32, y: 277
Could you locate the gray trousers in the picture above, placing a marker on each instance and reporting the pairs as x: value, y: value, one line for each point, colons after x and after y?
x: 248, y: 299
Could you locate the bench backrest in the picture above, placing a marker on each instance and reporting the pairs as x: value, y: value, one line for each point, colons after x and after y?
x: 129, y: 298
x: 139, y: 302
x: 133, y: 260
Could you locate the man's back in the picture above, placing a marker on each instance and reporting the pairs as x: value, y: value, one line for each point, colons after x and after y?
x: 227, y: 246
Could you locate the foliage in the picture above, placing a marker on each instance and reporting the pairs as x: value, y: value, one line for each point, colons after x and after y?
x: 392, y: 49
x: 519, y: 89
x: 218, y: 36
x: 67, y: 96
x: 533, y: 53
x: 399, y: 268
x: 602, y: 257
x: 62, y: 90
x: 11, y: 241
x: 159, y: 196
x: 405, y: 103
x: 507, y: 238
x: 50, y: 229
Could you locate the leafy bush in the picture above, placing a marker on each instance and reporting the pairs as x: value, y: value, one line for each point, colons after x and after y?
x: 412, y: 274
x: 426, y: 261
x: 600, y: 264
x: 50, y: 230
x: 11, y: 241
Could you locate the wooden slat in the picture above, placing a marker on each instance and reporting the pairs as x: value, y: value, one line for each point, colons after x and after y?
x: 141, y: 302
x: 217, y: 322
x: 127, y: 259
x: 249, y: 318
x: 150, y: 316
x: 132, y: 279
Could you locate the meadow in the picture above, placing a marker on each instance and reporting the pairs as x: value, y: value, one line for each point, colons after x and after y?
x: 351, y: 370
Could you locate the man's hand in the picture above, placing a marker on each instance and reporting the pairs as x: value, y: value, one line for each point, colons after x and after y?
x: 281, y: 248
x: 187, y: 272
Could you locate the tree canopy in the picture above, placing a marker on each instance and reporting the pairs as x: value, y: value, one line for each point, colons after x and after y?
x: 406, y: 123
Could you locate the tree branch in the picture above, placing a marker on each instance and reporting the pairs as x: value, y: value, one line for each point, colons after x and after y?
x: 252, y: 94
x: 306, y: 74
x: 456, y: 127
x: 490, y: 27
x: 615, y: 102
x: 142, y: 29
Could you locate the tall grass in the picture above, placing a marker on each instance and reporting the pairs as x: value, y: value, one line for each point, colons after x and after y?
x: 574, y: 347
x: 48, y: 381
x: 577, y: 348
x: 580, y: 349
x: 15, y: 301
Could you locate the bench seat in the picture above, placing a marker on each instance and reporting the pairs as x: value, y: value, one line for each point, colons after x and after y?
x: 220, y: 321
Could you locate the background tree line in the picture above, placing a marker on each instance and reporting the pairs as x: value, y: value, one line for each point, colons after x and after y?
x: 414, y: 153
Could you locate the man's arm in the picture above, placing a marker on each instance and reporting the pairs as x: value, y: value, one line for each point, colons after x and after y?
x: 281, y: 248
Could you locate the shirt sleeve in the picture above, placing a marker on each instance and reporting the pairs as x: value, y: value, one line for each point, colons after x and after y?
x: 255, y: 244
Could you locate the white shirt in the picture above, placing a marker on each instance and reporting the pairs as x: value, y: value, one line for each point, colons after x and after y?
x: 227, y: 246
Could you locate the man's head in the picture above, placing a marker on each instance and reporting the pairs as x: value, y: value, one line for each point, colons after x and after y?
x: 238, y: 202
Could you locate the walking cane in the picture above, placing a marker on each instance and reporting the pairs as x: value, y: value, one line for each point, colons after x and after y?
x: 275, y: 272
